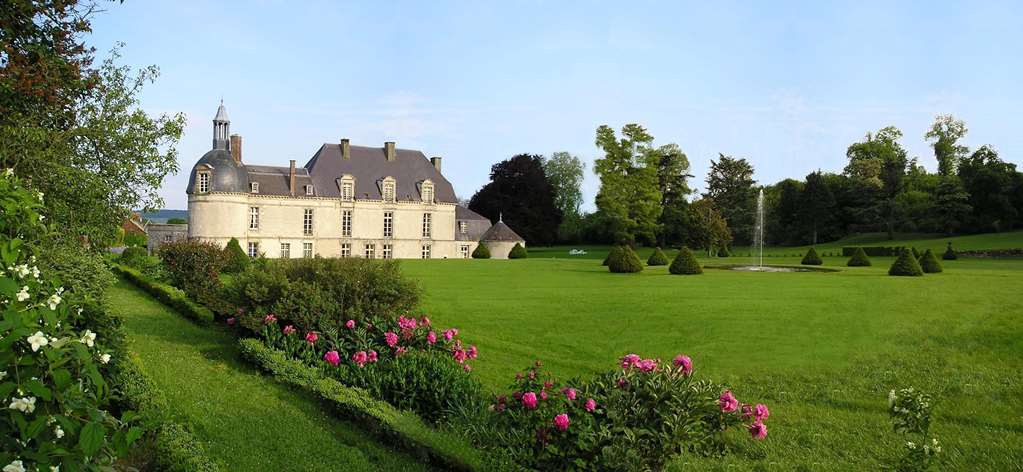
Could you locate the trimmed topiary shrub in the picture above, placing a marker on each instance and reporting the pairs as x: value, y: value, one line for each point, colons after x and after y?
x: 685, y: 263
x: 517, y: 252
x: 812, y: 258
x: 723, y: 252
x: 624, y: 260
x: 235, y: 259
x: 929, y: 263
x: 657, y: 258
x: 481, y: 252
x: 906, y: 265
x: 950, y: 254
x: 859, y: 259
x: 194, y: 266
x: 916, y: 253
x: 132, y: 256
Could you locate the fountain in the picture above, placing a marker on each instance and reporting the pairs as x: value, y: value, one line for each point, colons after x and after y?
x: 758, y: 230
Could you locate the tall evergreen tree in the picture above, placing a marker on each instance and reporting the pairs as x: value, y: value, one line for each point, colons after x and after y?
x: 707, y: 228
x: 519, y: 190
x: 951, y: 203
x: 672, y: 180
x: 990, y: 183
x: 816, y: 204
x: 730, y: 184
x: 628, y: 197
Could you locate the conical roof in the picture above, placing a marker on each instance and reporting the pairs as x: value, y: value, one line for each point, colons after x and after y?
x: 221, y: 113
x: 501, y: 232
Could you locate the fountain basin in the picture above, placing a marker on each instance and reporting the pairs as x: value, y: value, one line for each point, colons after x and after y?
x: 769, y: 268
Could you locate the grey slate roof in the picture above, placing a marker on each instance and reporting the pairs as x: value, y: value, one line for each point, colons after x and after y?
x: 275, y: 180
x: 228, y: 175
x: 501, y: 232
x: 369, y: 165
x: 463, y: 213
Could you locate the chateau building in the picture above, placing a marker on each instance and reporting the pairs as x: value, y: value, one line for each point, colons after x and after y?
x: 347, y: 201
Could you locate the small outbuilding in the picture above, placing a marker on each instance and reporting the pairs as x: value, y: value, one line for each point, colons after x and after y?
x: 500, y: 239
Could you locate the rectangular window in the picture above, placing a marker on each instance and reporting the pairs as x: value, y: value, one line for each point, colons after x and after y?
x: 308, y: 189
x: 387, y: 253
x: 388, y: 191
x: 463, y: 227
x: 307, y: 250
x: 427, y: 193
x: 346, y: 250
x: 307, y: 222
x: 346, y: 223
x: 204, y: 182
x: 426, y: 251
x: 347, y: 191
x: 254, y: 187
x: 253, y: 249
x: 427, y: 227
x: 371, y: 251
x: 388, y: 224
x: 168, y: 238
x: 285, y: 250
x: 464, y: 251
x: 254, y: 218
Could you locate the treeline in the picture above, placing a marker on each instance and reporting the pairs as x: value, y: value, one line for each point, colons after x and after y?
x: 645, y: 196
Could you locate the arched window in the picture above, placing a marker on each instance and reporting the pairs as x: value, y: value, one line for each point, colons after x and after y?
x: 387, y: 189
x: 426, y: 191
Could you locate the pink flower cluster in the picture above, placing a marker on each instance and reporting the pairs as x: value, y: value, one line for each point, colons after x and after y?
x: 757, y: 428
x: 268, y: 319
x: 361, y: 358
x: 461, y: 355
x: 631, y: 361
x: 288, y: 330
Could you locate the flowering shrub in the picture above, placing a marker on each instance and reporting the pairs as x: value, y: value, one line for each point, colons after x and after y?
x: 910, y: 410
x: 627, y: 419
x: 194, y: 266
x: 51, y: 376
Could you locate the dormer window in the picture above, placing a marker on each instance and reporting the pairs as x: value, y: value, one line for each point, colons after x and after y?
x: 387, y: 189
x: 254, y: 187
x: 308, y: 189
x: 463, y: 227
x: 426, y: 191
x: 202, y: 181
x: 347, y: 185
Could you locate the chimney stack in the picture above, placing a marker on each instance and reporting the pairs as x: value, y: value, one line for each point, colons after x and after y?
x: 436, y: 162
x: 389, y: 151
x: 236, y: 148
x: 346, y: 149
x: 291, y: 184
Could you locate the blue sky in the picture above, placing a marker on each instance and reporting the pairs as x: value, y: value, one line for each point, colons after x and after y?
x: 786, y: 85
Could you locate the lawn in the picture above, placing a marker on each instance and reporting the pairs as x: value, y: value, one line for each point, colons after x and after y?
x: 822, y: 349
x: 247, y: 421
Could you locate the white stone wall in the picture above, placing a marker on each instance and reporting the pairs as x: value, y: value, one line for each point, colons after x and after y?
x: 500, y: 249
x: 159, y: 233
x: 218, y: 217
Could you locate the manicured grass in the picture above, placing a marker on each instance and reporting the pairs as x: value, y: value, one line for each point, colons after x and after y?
x: 247, y: 421
x: 822, y: 349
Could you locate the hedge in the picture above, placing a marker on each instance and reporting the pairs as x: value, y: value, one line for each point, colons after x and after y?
x: 859, y: 259
x: 811, y: 257
x: 167, y: 294
x: 517, y: 252
x: 657, y: 258
x: 481, y: 252
x: 929, y: 262
x: 174, y: 447
x: 906, y: 265
x: 401, y: 428
x: 873, y: 251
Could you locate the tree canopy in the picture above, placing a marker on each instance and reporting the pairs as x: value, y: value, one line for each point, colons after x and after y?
x: 629, y: 196
x: 730, y: 185
x: 520, y: 192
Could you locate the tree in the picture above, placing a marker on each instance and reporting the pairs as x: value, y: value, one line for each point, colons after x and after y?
x: 520, y: 193
x: 881, y: 161
x: 783, y: 220
x: 672, y: 181
x: 565, y: 174
x: 628, y: 197
x: 730, y: 184
x: 177, y: 221
x: 951, y: 203
x: 235, y: 258
x: 946, y: 132
x: 707, y: 228
x: 816, y: 204
x: 989, y: 182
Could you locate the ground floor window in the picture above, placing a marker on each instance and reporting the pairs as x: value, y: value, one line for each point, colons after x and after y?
x: 346, y: 250
x: 371, y: 250
x: 285, y: 250
x: 253, y: 249
x: 426, y: 251
x: 387, y: 252
x: 307, y: 250
x: 464, y: 251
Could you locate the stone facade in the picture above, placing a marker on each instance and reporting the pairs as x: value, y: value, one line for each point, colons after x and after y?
x: 158, y: 234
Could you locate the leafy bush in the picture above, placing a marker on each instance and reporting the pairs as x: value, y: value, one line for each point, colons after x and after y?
x: 607, y: 258
x: 657, y: 258
x: 177, y: 221
x: 168, y: 295
x: 623, y: 260
x: 131, y: 255
x: 81, y: 270
x: 950, y: 254
x: 235, y: 259
x: 481, y: 251
x: 685, y: 263
x: 811, y: 257
x: 430, y: 384
x: 194, y: 266
x: 859, y: 259
x: 906, y: 265
x: 929, y: 263
x: 910, y: 411
x: 916, y: 253
x: 872, y: 251
x: 135, y: 240
x: 723, y: 252
x: 517, y: 252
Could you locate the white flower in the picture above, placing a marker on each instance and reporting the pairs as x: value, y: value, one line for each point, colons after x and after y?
x: 9, y: 172
x: 38, y: 340
x: 910, y: 445
x: 24, y: 405
x: 15, y: 466
x: 58, y: 432
x: 891, y: 398
x: 53, y: 301
x: 21, y: 270
x: 35, y: 272
x: 42, y: 217
x: 54, y: 468
x: 3, y: 374
x: 40, y: 195
x: 23, y: 294
x: 105, y: 358
x: 88, y: 338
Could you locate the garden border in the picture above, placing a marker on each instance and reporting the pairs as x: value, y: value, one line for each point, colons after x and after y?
x: 166, y: 294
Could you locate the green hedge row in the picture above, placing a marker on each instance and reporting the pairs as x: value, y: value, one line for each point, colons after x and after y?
x: 404, y: 429
x: 170, y: 296
x: 174, y: 447
x: 873, y: 251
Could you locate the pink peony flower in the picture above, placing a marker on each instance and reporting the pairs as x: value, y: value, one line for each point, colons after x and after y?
x: 747, y: 411
x: 269, y: 319
x: 630, y: 360
x: 401, y: 350
x: 332, y: 358
x: 350, y: 324
x: 684, y: 364
x: 311, y: 337
x: 472, y: 352
x: 450, y: 334
x: 543, y: 394
x: 517, y: 395
x: 499, y: 407
x: 392, y: 339
x: 648, y: 365
x: 762, y: 412
x: 622, y: 383
x: 424, y: 321
x: 373, y: 356
x: 431, y: 337
x: 529, y: 400
x: 590, y: 405
x: 561, y: 422
x: 459, y: 355
x: 570, y: 393
x: 548, y: 384
x: 288, y: 330
x: 407, y: 323
x: 231, y: 321
x: 758, y: 430
x: 728, y: 402
x: 467, y: 367
x: 360, y: 358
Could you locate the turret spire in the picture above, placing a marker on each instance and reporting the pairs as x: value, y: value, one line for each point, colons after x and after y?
x: 221, y: 128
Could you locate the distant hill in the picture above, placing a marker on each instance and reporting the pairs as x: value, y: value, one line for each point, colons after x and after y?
x: 161, y: 216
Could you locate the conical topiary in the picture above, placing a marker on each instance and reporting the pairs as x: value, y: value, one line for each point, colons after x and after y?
x: 235, y: 258
x: 685, y: 263
x: 481, y: 252
x: 517, y: 252
x: 950, y: 254
x: 607, y: 258
x: 906, y: 265
x: 723, y: 252
x: 623, y: 260
x: 657, y: 258
x: 929, y: 263
x: 812, y: 258
x: 916, y: 253
x: 859, y: 259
